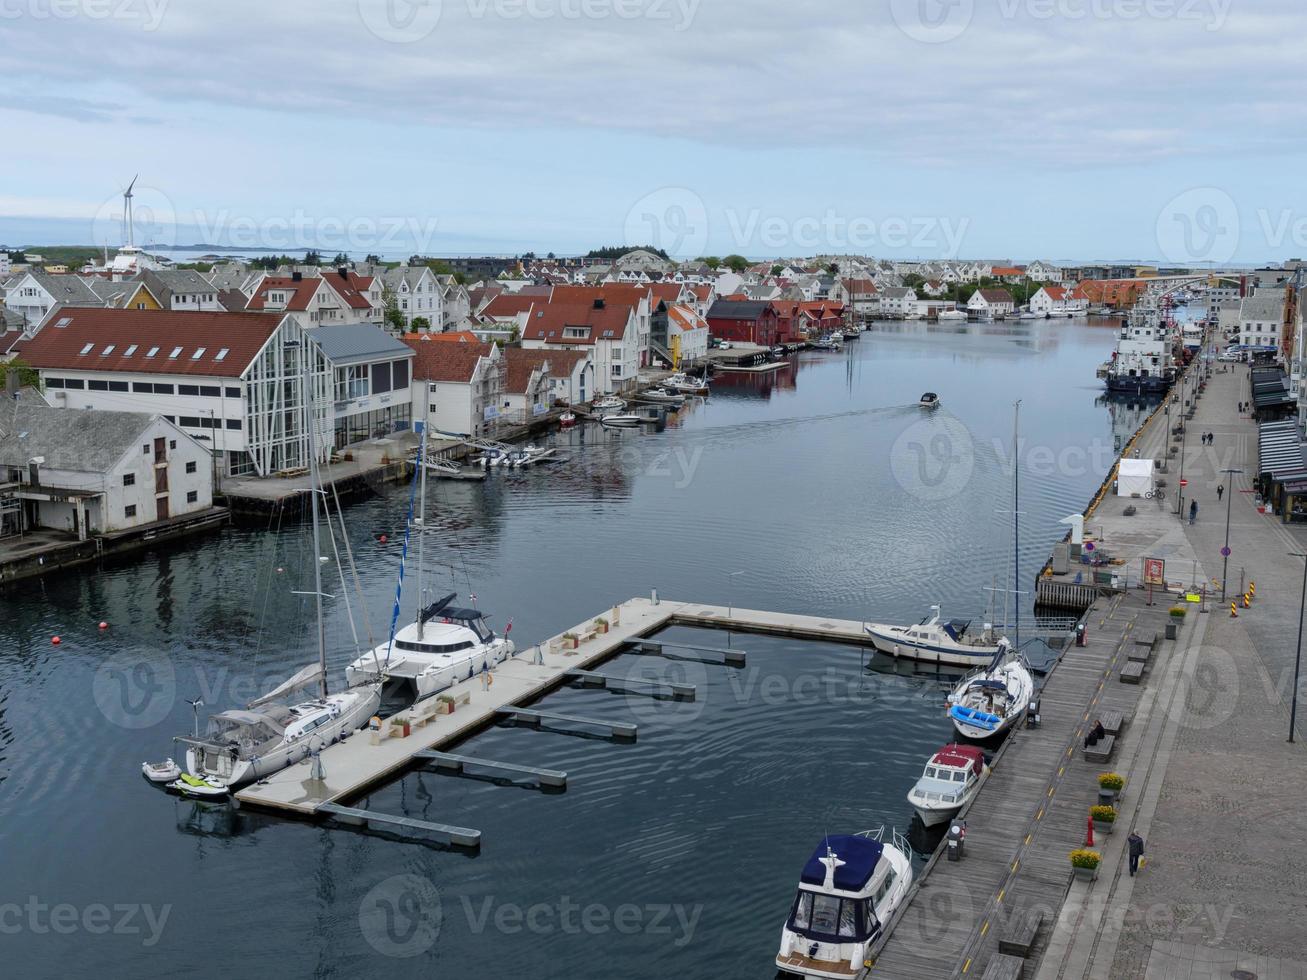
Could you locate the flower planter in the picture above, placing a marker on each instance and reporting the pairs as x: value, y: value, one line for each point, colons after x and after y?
x: 400, y: 729
x: 1103, y: 826
x: 1086, y: 874
x: 571, y: 642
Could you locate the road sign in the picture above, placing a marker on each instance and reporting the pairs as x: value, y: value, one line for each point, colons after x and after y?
x: 1154, y: 571
x: 1089, y: 546
x: 1225, y: 552
x: 1184, y: 483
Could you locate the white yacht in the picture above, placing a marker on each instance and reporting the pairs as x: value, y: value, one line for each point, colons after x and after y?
x: 850, y: 887
x: 948, y: 783
x: 686, y: 384
x: 950, y: 315
x: 991, y: 701
x: 937, y: 641
x: 609, y: 403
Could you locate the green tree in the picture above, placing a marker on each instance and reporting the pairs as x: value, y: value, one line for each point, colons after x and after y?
x: 833, y: 268
x: 313, y: 257
x: 340, y: 259
x: 28, y: 376
x: 736, y: 263
x: 393, y: 316
x: 776, y: 270
x: 711, y: 261
x: 373, y: 259
x: 420, y: 323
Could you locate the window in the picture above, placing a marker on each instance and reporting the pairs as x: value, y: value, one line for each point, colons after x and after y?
x: 190, y: 467
x: 97, y: 385
x: 192, y: 496
x: 400, y: 374
x: 107, y: 350
x: 221, y: 354
x: 232, y: 392
x: 54, y: 382
x: 142, y: 387
x: 130, y: 350
x: 129, y: 479
x: 199, y: 352
x: 117, y: 385
x: 234, y: 423
x: 146, y: 449
x: 172, y: 443
x: 175, y: 352
x: 188, y: 389
x: 210, y: 391
x: 163, y: 389
x: 86, y: 350
x: 380, y: 378
x: 151, y: 352
x: 188, y: 422
x: 77, y: 383
x: 129, y: 510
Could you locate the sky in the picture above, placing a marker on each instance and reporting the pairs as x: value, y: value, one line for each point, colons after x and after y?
x: 1167, y: 131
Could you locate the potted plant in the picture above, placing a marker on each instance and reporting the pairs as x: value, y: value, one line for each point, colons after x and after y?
x: 1104, y: 817
x: 1110, y: 785
x: 1084, y: 863
x: 1178, y: 612
x: 571, y: 641
x: 400, y: 726
x: 601, y: 625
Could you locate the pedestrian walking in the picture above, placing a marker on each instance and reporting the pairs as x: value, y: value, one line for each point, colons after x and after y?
x: 1193, y: 511
x: 1220, y: 490
x: 1136, y: 844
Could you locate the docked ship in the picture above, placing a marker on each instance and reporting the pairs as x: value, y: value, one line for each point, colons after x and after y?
x: 1142, y: 363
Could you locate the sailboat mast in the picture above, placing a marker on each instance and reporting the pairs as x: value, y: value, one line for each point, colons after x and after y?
x: 1016, y: 517
x: 422, y: 496
x: 306, y: 384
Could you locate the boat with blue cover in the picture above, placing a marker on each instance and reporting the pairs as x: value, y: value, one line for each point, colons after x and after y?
x: 990, y: 701
x: 850, y: 887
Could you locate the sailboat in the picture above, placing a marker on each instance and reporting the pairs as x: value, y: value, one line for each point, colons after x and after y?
x: 243, y: 745
x: 444, y: 644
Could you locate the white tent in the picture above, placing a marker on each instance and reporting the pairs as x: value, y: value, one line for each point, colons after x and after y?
x: 1135, y: 476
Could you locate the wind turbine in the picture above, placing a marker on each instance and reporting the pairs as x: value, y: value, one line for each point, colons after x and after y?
x: 128, y: 223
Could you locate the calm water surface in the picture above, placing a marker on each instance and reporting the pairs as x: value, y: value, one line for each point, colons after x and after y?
x: 823, y: 489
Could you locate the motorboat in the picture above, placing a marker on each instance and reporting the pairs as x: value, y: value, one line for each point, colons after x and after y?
x: 1029, y: 315
x: 937, y: 641
x: 444, y: 645
x: 849, y: 333
x: 990, y: 701
x: 827, y: 343
x: 240, y: 746
x: 663, y: 397
x: 625, y: 420
x: 929, y: 400
x: 609, y: 403
x: 567, y: 419
x: 850, y: 888
x: 686, y: 384
x: 946, y: 316
x: 519, y: 458
x: 779, y: 351
x: 948, y: 783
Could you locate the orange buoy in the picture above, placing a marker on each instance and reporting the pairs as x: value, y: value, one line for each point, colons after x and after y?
x: 55, y: 641
x: 383, y: 539
x: 103, y: 625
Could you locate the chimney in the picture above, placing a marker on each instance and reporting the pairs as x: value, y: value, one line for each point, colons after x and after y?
x: 344, y: 272
x: 297, y: 277
x: 599, y: 303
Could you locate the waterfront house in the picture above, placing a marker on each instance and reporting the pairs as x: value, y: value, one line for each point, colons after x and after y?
x: 1052, y: 300
x: 687, y: 335
x: 458, y: 386
x: 991, y: 302
x: 898, y: 301
x: 744, y: 321
x: 633, y: 297
x: 88, y: 473
x: 863, y: 296
x: 607, y: 330
x: 232, y: 381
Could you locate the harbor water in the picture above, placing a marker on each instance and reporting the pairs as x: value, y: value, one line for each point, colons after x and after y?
x: 822, y: 489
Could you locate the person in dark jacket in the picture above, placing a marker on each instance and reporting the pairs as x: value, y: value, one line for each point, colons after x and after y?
x: 1136, y: 844
x: 1096, y: 733
x: 1193, y: 511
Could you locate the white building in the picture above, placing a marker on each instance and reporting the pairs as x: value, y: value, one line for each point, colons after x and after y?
x: 37, y: 293
x: 1043, y: 272
x: 458, y: 385
x: 687, y: 334
x: 456, y: 303
x: 608, y: 332
x: 181, y: 289
x: 898, y: 301
x: 96, y: 472
x: 417, y: 293
x: 991, y: 302
x: 1261, y: 317
x: 308, y: 299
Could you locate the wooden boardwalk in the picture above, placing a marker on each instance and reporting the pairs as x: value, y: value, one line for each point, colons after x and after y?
x: 1031, y: 812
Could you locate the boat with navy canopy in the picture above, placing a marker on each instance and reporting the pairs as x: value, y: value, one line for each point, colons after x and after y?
x: 850, y: 887
x: 937, y: 641
x: 988, y: 702
x: 929, y: 400
x: 948, y: 783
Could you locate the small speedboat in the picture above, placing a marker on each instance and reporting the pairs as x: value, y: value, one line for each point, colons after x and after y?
x: 990, y: 701
x: 850, y: 887
x: 951, y: 778
x: 663, y: 397
x: 567, y: 420
x: 621, y: 421
x: 929, y: 400
x: 609, y: 403
x: 161, y: 772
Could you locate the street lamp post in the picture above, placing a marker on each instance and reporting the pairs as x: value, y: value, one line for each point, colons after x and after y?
x: 1297, y: 660
x: 1184, y: 432
x: 1225, y: 551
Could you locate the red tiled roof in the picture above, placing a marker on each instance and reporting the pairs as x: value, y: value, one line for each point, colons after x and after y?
x: 549, y: 322
x: 521, y: 362
x: 455, y: 337
x: 445, y: 362
x: 997, y: 296
x: 1056, y: 292
x: 1007, y: 270
x: 302, y: 289
x: 242, y: 335
x: 352, y: 288
x: 685, y: 318
x: 702, y: 292
x: 663, y: 292
x: 859, y: 286
x: 612, y: 293
x: 507, y: 305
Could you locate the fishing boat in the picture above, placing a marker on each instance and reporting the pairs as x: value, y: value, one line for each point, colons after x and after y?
x: 850, y: 333
x: 990, y: 701
x: 948, y: 783
x: 850, y: 887
x: 621, y: 420
x: 686, y: 384
x: 663, y: 397
x: 567, y: 419
x: 609, y: 403
x: 937, y: 641
x: 443, y: 645
x: 929, y: 400
x: 242, y: 745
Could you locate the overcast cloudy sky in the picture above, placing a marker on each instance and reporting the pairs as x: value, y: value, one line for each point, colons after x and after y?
x: 1154, y: 129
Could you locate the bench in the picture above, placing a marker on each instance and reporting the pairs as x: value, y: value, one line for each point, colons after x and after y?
x: 1020, y: 934
x: 1132, y: 673
x: 1101, y: 752
x: 1113, y: 722
x: 1005, y: 968
x: 1140, y: 653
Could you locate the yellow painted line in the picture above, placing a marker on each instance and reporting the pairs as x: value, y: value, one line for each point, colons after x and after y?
x: 967, y: 965
x: 1001, y: 893
x: 1061, y: 769
x: 984, y: 928
x: 1040, y: 814
x: 1069, y: 752
x: 1028, y: 836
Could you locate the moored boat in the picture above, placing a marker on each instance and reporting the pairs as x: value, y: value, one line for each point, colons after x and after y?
x: 850, y: 887
x: 620, y: 421
x: 948, y: 783
x: 990, y: 701
x: 936, y: 641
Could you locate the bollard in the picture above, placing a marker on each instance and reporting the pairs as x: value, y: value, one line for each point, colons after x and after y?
x: 1234, y: 612
x: 1247, y: 600
x: 1082, y: 630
